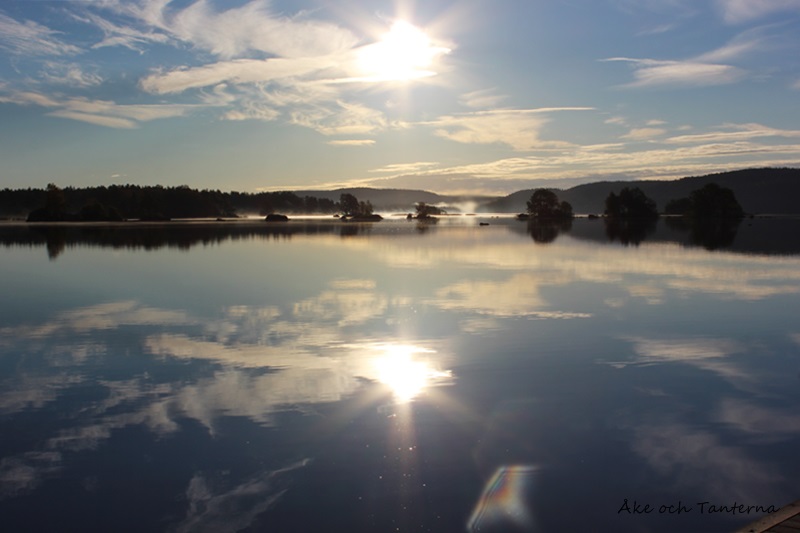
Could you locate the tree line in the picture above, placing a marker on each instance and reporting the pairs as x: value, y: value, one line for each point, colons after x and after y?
x: 709, y: 201
x: 151, y: 202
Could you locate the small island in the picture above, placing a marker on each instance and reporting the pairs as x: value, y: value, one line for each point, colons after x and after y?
x: 545, y: 205
x: 355, y: 211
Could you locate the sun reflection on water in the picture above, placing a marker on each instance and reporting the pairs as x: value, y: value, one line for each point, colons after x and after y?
x: 406, y: 374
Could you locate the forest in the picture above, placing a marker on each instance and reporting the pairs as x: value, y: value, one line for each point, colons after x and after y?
x: 156, y: 202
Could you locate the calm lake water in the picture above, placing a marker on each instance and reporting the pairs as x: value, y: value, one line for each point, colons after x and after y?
x: 323, y: 376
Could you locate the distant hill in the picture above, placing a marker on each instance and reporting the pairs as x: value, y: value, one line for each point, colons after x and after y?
x: 762, y: 190
x: 759, y: 191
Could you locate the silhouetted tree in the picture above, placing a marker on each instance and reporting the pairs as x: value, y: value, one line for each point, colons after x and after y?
x: 714, y: 201
x: 710, y: 201
x: 544, y: 204
x: 426, y: 210
x: 678, y: 206
x: 365, y: 208
x: 630, y: 203
x: 349, y: 205
x: 55, y: 206
x: 97, y: 212
x: 55, y: 201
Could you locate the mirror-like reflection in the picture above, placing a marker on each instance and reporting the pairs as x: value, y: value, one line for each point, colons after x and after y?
x: 761, y: 235
x: 399, y: 368
x: 460, y: 378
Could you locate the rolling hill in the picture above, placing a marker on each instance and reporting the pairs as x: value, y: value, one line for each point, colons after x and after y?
x: 762, y: 191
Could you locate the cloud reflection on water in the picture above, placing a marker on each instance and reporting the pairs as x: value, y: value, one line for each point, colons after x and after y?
x: 325, y: 344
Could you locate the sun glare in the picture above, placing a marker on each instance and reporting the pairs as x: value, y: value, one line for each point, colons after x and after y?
x: 404, y: 375
x: 404, y: 53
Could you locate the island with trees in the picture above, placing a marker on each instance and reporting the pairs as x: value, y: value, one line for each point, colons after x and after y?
x: 358, y: 211
x: 544, y: 204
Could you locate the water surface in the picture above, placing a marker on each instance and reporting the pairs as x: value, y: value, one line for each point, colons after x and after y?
x: 322, y: 376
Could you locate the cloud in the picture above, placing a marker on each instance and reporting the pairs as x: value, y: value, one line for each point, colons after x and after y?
x: 641, y: 134
x: 483, y: 99
x: 267, y: 89
x: 101, y: 317
x: 234, y: 509
x: 516, y: 296
x: 33, y: 391
x: 22, y: 473
x: 352, y: 142
x: 518, y: 128
x: 32, y: 39
x: 118, y: 35
x: 741, y: 45
x: 239, y: 71
x: 575, y: 165
x: 757, y: 420
x: 405, y: 167
x: 617, y: 121
x: 29, y: 98
x: 697, y: 459
x: 341, y: 118
x: 707, y: 69
x: 237, y: 31
x: 68, y: 74
x: 100, y: 112
x: 741, y: 11
x: 682, y: 350
x: 739, y: 132
x: 266, y: 66
x: 655, y: 73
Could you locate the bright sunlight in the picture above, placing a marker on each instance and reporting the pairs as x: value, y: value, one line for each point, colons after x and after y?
x: 404, y: 375
x: 404, y: 53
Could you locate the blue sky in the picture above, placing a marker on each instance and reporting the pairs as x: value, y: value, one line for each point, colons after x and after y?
x: 448, y: 96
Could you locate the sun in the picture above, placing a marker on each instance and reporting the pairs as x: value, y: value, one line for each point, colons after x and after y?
x: 404, y: 53
x: 406, y: 376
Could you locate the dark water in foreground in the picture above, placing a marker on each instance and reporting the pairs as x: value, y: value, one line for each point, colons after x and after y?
x: 320, y: 376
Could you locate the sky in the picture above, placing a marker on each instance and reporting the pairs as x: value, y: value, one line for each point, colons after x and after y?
x: 462, y: 96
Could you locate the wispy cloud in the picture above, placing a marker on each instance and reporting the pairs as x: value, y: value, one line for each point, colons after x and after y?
x: 758, y: 420
x: 735, y: 133
x: 239, y: 71
x: 352, y: 142
x: 121, y: 35
x: 656, y: 73
x: 341, y: 118
x: 267, y: 66
x: 697, y: 459
x: 233, y: 509
x: 518, y: 128
x: 30, y: 38
x: 740, y: 11
x: 68, y: 74
x: 405, y: 167
x: 707, y: 69
x: 682, y: 350
x: 483, y: 99
x: 235, y: 32
x: 99, y: 112
x: 643, y: 134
